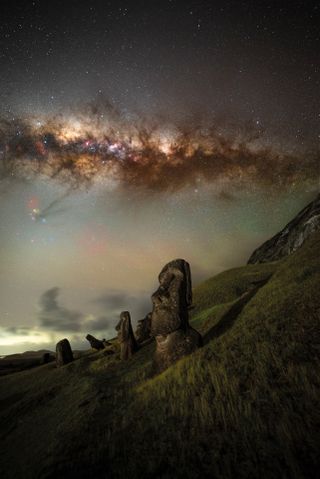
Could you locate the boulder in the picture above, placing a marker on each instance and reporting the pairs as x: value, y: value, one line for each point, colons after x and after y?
x: 63, y: 353
x: 46, y: 358
x: 95, y: 343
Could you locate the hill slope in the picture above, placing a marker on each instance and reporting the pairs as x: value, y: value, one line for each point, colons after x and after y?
x: 244, y: 405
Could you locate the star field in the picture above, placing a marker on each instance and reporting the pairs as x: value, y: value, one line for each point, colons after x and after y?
x: 219, y: 58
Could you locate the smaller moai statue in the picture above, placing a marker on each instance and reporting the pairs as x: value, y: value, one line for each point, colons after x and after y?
x: 128, y: 344
x: 143, y: 331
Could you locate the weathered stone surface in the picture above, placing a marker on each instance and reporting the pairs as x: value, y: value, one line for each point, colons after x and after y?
x: 173, y: 346
x: 172, y: 299
x: 291, y: 237
x: 170, y: 318
x: 63, y: 353
x: 143, y: 332
x: 94, y: 342
x: 128, y: 344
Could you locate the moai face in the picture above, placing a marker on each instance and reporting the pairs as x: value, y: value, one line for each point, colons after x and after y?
x: 172, y: 299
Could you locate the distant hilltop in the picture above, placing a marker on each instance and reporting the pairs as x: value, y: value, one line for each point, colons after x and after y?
x: 291, y: 237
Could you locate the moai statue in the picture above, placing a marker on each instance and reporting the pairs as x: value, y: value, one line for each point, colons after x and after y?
x: 94, y: 342
x: 128, y: 344
x: 63, y: 353
x: 170, y: 315
x: 143, y: 331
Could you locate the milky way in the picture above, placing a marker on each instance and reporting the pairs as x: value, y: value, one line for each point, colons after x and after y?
x: 151, y: 155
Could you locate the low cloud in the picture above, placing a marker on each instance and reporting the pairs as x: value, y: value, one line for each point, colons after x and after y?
x: 112, y: 301
x: 15, y: 331
x: 55, y: 317
x: 116, y: 301
x: 56, y: 321
x: 101, y: 323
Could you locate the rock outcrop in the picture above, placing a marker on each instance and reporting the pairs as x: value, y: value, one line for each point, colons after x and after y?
x: 128, y: 344
x: 170, y: 316
x: 291, y: 237
x: 95, y: 343
x: 63, y: 353
x: 143, y: 331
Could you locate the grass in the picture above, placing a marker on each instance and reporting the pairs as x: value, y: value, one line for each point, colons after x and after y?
x: 245, y: 405
x: 229, y: 285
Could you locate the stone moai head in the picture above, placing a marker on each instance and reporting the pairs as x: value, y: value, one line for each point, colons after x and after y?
x: 172, y: 299
x: 124, y: 327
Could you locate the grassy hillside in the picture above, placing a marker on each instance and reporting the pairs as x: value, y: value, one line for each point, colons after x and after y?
x: 245, y: 405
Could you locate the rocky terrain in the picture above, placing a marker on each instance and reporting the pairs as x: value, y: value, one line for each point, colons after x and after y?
x: 291, y: 237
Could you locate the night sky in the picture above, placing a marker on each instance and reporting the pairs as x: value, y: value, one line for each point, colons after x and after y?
x: 134, y: 133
